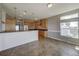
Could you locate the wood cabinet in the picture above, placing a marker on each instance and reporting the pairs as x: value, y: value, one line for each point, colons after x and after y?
x: 10, y: 24
x: 41, y: 25
x: 30, y: 23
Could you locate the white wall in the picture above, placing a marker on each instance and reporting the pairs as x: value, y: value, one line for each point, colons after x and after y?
x: 3, y: 18
x: 0, y: 27
x: 10, y: 40
x: 53, y: 25
x: 0, y: 19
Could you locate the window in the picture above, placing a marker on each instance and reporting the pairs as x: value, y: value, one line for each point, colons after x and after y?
x: 17, y: 27
x: 69, y: 28
x: 25, y: 27
x: 69, y: 16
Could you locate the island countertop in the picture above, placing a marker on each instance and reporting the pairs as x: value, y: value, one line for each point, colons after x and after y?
x: 16, y: 31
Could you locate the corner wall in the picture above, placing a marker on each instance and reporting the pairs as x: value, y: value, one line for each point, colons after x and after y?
x: 53, y: 25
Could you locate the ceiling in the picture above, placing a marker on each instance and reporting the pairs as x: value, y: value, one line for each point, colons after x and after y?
x: 38, y: 10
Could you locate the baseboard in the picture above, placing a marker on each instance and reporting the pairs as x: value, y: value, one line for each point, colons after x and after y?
x: 62, y: 41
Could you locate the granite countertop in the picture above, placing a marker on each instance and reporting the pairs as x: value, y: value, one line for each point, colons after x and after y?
x: 24, y: 30
x: 40, y: 29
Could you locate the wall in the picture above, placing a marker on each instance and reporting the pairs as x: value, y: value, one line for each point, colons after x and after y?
x: 53, y: 25
x: 2, y: 18
x: 54, y: 21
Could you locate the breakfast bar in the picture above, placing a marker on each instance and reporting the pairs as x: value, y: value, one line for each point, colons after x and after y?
x: 13, y: 39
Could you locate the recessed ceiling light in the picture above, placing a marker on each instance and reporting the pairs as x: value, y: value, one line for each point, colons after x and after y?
x: 24, y: 13
x: 49, y: 5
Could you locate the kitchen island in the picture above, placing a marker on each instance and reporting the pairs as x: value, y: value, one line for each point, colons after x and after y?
x: 13, y: 39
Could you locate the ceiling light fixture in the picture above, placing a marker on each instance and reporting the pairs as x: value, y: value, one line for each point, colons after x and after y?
x: 49, y: 5
x: 25, y: 12
x: 15, y: 14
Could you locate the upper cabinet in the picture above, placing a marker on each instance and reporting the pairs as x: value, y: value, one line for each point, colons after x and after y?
x: 41, y: 24
x: 10, y: 24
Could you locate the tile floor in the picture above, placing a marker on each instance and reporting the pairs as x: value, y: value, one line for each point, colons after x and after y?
x: 43, y: 47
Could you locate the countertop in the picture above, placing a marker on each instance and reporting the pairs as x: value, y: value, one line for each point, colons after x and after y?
x: 16, y: 31
x: 24, y: 30
x: 40, y: 29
